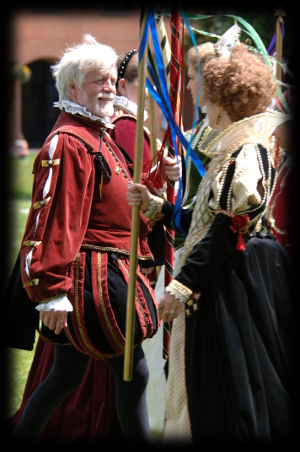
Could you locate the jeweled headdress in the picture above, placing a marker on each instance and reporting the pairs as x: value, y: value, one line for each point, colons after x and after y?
x: 227, y: 41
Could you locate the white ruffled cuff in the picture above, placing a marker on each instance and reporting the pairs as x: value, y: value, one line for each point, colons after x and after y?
x: 59, y: 304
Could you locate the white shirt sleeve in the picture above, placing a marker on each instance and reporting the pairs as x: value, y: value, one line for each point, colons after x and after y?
x: 59, y: 304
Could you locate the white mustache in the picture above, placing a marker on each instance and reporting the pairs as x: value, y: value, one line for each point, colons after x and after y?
x: 108, y: 96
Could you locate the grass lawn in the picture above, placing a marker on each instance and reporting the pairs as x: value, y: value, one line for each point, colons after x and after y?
x: 18, y: 361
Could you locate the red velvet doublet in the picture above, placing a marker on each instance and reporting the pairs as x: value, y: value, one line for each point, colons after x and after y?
x: 78, y: 207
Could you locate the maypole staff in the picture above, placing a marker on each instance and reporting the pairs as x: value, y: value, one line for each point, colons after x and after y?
x: 152, y: 122
x: 279, y: 37
x: 135, y: 216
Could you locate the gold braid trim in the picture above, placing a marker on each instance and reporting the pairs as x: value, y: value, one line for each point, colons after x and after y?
x: 225, y: 212
x: 85, y: 246
x: 103, y: 306
x: 77, y: 311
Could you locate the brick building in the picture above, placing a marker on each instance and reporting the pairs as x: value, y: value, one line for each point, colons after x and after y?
x: 37, y: 38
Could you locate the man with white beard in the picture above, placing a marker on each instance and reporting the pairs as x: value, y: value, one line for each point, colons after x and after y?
x: 74, y: 257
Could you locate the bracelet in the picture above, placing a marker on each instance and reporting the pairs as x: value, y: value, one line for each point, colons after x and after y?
x: 154, y: 208
x: 179, y: 291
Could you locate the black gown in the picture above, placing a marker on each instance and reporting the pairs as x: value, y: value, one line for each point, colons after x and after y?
x: 240, y: 337
x: 240, y: 343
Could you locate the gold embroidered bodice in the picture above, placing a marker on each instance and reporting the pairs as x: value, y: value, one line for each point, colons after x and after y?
x: 249, y: 189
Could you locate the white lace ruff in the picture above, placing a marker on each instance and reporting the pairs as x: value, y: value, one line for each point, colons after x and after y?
x: 128, y: 106
x: 75, y: 109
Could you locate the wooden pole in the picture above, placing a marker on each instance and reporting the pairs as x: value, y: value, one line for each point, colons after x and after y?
x: 152, y: 118
x: 279, y: 38
x: 135, y: 220
x: 152, y: 126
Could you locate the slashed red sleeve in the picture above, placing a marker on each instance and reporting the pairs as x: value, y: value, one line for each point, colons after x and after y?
x: 58, y: 218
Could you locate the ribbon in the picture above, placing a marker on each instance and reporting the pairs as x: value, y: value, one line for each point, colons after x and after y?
x: 239, y: 224
x: 272, y: 46
x: 157, y: 86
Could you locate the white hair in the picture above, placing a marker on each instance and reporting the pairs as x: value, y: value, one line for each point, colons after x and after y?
x: 77, y: 61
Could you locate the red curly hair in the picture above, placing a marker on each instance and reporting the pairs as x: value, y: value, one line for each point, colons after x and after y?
x: 242, y: 84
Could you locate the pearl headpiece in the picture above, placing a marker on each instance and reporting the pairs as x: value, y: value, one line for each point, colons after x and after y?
x: 124, y: 63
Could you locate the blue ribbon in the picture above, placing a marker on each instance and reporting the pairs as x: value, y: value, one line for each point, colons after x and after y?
x: 190, y: 152
x: 159, y: 92
x: 161, y: 96
x: 272, y: 46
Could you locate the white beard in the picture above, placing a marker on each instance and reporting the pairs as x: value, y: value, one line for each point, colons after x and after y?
x: 98, y: 107
x: 107, y: 110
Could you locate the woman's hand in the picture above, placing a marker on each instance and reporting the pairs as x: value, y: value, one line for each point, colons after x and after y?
x: 54, y: 320
x: 169, y: 307
x: 138, y: 195
x: 171, y: 169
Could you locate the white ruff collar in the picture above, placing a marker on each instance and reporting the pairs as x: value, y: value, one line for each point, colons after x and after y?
x: 128, y: 106
x: 255, y: 129
x: 74, y: 109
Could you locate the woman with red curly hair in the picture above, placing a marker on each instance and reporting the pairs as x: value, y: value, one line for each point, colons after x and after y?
x: 230, y: 377
x: 239, y: 87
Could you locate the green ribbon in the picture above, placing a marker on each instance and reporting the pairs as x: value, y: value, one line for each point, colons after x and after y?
x: 249, y: 30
